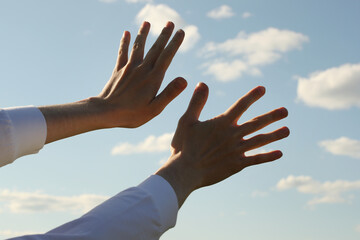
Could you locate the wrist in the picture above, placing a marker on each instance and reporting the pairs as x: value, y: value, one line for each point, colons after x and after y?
x: 179, y: 176
x: 102, y: 112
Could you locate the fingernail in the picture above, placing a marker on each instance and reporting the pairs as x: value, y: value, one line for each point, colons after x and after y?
x: 181, y: 83
x: 180, y: 31
x: 125, y: 33
x: 199, y: 87
x: 169, y: 24
x: 284, y: 111
x: 261, y: 89
x: 285, y: 132
x: 144, y: 24
x: 279, y: 154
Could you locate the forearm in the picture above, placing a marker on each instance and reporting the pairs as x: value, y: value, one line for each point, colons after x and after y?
x: 66, y: 120
x: 183, y: 180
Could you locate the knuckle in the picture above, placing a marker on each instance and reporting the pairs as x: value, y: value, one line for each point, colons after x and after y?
x: 137, y: 45
x: 165, y: 31
x: 261, y: 137
x: 156, y: 73
x: 156, y: 46
x: 124, y: 42
x: 279, y: 134
x: 122, y: 52
x: 255, y: 123
x: 154, y: 111
x: 183, y: 120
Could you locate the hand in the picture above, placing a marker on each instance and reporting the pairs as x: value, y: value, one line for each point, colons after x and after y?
x: 205, y: 153
x: 130, y: 97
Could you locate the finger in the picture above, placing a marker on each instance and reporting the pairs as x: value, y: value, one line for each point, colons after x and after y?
x: 241, y: 105
x: 171, y: 91
x: 137, y: 53
x: 262, y: 121
x: 169, y: 52
x: 197, y: 102
x: 261, y: 158
x: 123, y: 51
x: 159, y: 45
x: 264, y: 139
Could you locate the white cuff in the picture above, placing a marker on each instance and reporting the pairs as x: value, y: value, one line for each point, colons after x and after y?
x: 27, y: 130
x: 164, y: 198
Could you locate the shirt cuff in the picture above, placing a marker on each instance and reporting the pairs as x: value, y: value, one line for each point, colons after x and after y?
x: 164, y: 198
x: 28, y: 130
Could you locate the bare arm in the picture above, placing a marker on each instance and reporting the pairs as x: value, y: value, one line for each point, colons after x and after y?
x: 130, y: 98
x: 205, y: 153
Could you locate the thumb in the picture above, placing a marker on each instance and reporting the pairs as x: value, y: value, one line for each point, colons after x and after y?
x: 172, y: 90
x: 197, y: 102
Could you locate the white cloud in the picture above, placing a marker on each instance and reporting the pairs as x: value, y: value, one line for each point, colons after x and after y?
x: 225, y: 71
x: 247, y: 52
x: 10, y: 233
x: 357, y: 228
x: 342, y: 146
x: 159, y: 15
x: 241, y: 213
x: 108, y: 1
x: 259, y: 194
x: 333, y: 88
x: 29, y: 202
x: 324, y: 192
x: 220, y: 93
x: 149, y: 145
x: 257, y: 151
x: 139, y: 1
x: 246, y: 15
x: 223, y: 11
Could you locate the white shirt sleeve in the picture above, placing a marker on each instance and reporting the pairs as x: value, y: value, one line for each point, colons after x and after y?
x: 138, y: 213
x: 22, y: 132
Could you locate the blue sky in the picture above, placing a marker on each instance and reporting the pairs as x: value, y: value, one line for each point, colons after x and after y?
x: 307, y: 55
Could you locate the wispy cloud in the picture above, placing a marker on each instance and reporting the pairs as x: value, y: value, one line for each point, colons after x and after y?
x: 225, y: 71
x: 323, y: 192
x: 10, y: 233
x: 159, y: 15
x: 259, y: 194
x: 246, y: 15
x: 246, y: 53
x: 342, y: 146
x: 223, y: 11
x: 30, y: 202
x: 139, y: 1
x: 108, y: 1
x: 257, y: 151
x: 357, y: 228
x: 333, y: 88
x: 150, y: 145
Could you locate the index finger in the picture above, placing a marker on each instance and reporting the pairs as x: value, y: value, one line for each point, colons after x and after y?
x: 240, y: 106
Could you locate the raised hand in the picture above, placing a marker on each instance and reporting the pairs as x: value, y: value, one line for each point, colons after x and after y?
x: 205, y: 153
x: 131, y: 97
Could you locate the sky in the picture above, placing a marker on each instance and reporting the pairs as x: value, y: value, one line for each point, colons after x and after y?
x: 306, y: 54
